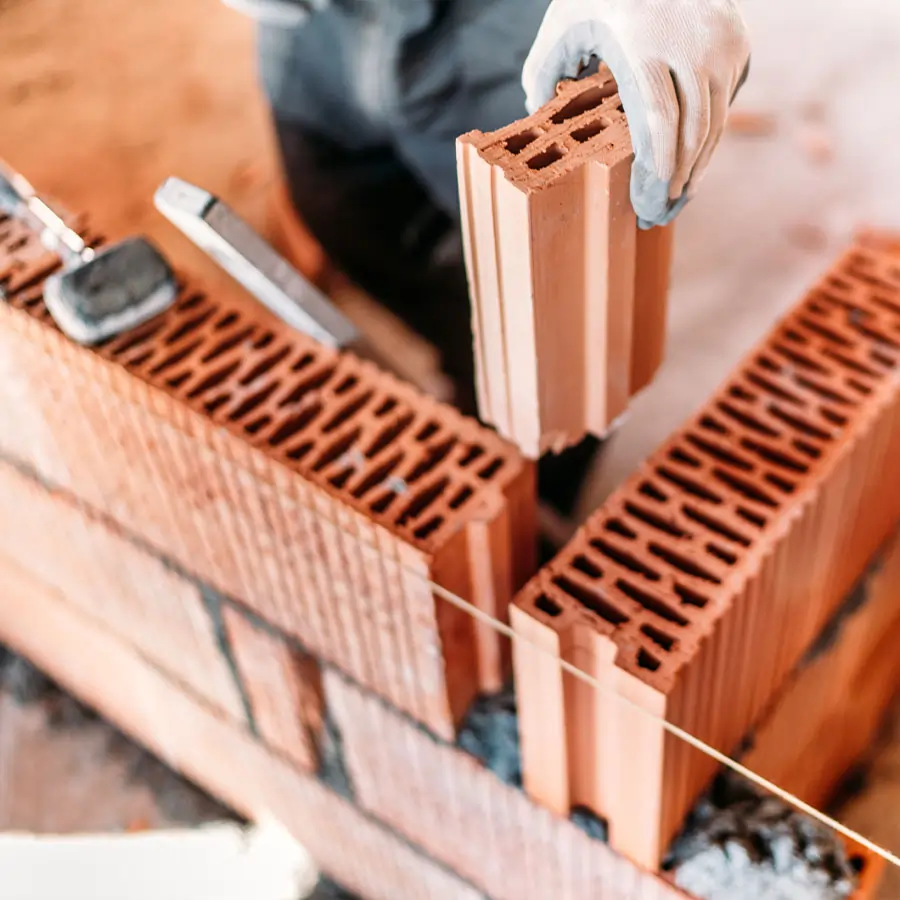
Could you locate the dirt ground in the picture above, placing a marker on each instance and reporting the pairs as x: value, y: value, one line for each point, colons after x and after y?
x: 101, y: 101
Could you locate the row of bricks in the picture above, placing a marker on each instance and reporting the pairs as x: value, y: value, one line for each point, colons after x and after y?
x: 568, y: 296
x: 136, y: 429
x: 221, y: 655
x: 434, y: 794
x: 107, y: 674
x: 431, y: 794
x: 698, y: 586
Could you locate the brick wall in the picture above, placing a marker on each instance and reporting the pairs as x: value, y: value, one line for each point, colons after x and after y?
x: 698, y: 586
x: 97, y: 666
x: 105, y: 575
x: 323, y: 493
x: 463, y: 815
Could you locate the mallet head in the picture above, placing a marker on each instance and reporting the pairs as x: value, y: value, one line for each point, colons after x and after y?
x: 114, y: 290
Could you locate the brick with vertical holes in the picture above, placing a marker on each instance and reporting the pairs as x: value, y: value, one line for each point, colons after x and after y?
x: 698, y: 586
x: 568, y: 296
x: 99, y: 570
x: 104, y: 672
x: 283, y: 687
x: 319, y: 491
x: 460, y: 813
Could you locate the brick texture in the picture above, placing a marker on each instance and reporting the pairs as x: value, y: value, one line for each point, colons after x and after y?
x: 283, y: 687
x: 323, y: 493
x: 103, y: 574
x: 92, y: 663
x: 699, y: 585
x: 461, y: 814
x: 828, y: 714
x: 568, y: 297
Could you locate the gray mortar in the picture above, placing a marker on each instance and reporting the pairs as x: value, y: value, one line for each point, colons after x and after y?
x: 490, y: 733
x: 828, y: 636
x: 740, y: 844
x: 326, y: 889
x: 332, y: 765
x: 212, y: 600
x: 590, y: 823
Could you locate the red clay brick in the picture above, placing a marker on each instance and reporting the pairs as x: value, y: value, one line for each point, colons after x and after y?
x: 871, y: 868
x: 262, y: 462
x: 283, y: 687
x: 103, y: 574
x: 461, y: 814
x: 569, y: 299
x: 698, y: 586
x: 92, y: 663
x: 829, y: 712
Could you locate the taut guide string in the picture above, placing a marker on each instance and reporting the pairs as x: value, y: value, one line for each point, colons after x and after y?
x: 674, y: 730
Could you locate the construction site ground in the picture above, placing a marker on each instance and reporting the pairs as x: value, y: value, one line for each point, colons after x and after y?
x: 100, y: 102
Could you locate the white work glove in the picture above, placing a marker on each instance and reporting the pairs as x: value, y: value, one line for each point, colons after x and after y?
x: 678, y: 65
x: 283, y: 13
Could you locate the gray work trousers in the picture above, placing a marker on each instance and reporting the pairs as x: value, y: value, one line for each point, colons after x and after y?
x: 368, y: 98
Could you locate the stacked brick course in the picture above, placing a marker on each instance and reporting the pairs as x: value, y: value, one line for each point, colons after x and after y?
x: 304, y: 501
x: 697, y: 587
x: 322, y: 492
x: 86, y: 658
x: 145, y: 602
x: 568, y: 296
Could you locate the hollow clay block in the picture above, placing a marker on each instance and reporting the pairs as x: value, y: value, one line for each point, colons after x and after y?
x: 710, y: 572
x: 568, y: 301
x: 320, y: 491
x: 834, y: 703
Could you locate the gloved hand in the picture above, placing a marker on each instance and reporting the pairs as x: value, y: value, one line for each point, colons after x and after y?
x: 283, y: 13
x: 678, y: 65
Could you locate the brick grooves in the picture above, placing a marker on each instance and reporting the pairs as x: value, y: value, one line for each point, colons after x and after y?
x: 347, y: 844
x: 698, y: 586
x: 489, y: 832
x: 433, y: 795
x: 569, y: 298
x: 101, y: 572
x: 829, y: 711
x: 283, y: 474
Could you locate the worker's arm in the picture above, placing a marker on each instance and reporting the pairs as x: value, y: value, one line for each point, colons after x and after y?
x: 678, y: 64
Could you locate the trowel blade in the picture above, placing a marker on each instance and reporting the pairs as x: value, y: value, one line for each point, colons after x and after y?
x: 253, y: 263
